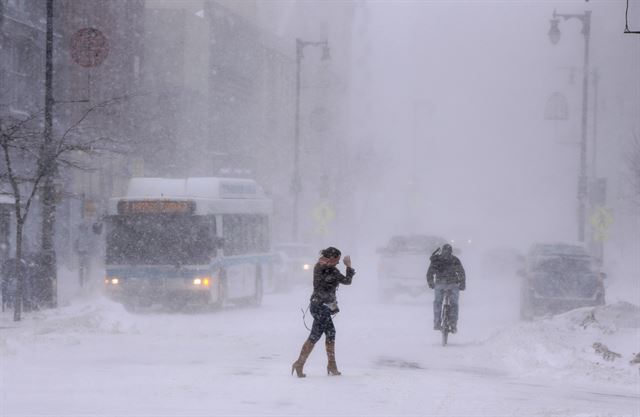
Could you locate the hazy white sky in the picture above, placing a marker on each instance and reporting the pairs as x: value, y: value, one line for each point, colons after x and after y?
x: 458, y: 93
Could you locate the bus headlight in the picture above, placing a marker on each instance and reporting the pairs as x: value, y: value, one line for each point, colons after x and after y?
x: 202, y: 281
x: 111, y: 280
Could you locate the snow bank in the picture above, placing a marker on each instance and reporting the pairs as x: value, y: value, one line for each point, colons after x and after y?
x: 96, y: 316
x: 609, y: 318
x: 99, y: 315
x: 564, y: 344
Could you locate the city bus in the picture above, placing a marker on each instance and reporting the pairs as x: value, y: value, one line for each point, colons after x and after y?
x: 185, y: 241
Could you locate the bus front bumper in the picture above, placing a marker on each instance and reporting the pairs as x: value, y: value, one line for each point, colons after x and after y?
x: 118, y: 287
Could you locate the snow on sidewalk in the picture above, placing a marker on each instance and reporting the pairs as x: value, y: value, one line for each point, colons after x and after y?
x: 563, y: 346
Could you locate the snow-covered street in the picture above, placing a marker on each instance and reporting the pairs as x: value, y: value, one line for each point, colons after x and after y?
x: 184, y: 185
x: 95, y: 358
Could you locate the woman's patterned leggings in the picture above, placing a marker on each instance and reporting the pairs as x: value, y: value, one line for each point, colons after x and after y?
x: 322, y: 323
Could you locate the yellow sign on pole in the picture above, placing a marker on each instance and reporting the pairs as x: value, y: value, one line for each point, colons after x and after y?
x: 323, y: 214
x: 601, y: 220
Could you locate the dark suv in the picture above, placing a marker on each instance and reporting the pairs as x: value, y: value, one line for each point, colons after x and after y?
x: 559, y: 277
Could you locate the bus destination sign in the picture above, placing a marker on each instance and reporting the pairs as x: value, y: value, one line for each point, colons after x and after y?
x: 156, y: 207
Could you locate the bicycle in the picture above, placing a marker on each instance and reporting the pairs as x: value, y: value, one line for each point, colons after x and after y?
x: 445, y: 320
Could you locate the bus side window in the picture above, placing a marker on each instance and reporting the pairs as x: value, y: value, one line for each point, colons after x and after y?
x: 245, y: 233
x: 259, y: 233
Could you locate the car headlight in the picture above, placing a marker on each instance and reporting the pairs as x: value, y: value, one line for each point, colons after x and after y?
x: 306, y: 267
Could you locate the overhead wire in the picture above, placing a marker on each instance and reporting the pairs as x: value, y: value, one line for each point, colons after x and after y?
x: 626, y: 21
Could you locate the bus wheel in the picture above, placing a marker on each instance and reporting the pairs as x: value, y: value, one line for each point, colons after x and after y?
x: 176, y: 303
x: 219, y: 302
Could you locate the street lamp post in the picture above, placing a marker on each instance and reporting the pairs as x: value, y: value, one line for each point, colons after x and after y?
x: 48, y: 187
x: 296, y: 183
x: 554, y: 36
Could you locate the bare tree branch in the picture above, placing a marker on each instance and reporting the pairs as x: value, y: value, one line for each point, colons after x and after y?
x: 77, y: 165
x: 86, y: 114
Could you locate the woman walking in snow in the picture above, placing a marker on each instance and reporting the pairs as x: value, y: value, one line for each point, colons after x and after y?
x: 326, y: 278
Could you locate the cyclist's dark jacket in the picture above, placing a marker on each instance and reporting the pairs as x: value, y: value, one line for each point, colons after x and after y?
x: 326, y: 280
x: 445, y: 270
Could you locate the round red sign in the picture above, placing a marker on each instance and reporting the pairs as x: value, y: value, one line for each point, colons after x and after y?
x: 89, y: 47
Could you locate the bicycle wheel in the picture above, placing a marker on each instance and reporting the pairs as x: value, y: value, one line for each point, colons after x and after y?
x: 445, y: 324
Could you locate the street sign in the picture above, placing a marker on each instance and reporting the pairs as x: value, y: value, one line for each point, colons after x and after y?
x: 89, y: 47
x: 601, y: 220
x: 323, y: 214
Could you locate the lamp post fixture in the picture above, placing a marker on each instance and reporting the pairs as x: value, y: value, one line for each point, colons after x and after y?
x: 554, y: 36
x: 296, y: 184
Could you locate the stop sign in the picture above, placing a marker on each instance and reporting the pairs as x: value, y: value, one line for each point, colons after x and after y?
x: 89, y: 47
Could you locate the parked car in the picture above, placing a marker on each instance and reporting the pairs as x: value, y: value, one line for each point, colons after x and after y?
x: 296, y: 261
x: 559, y: 277
x: 403, y: 263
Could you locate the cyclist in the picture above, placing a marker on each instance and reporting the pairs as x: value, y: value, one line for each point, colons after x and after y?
x: 445, y: 272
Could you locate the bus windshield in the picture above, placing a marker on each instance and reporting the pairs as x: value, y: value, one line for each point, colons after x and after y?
x: 160, y: 239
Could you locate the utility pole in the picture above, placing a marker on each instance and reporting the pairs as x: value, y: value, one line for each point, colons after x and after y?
x: 48, y: 189
x: 554, y: 36
x: 296, y: 186
x: 582, y: 191
x: 594, y: 133
x: 296, y: 182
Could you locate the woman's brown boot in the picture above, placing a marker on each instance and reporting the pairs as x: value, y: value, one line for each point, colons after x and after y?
x: 332, y: 368
x: 304, y: 354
